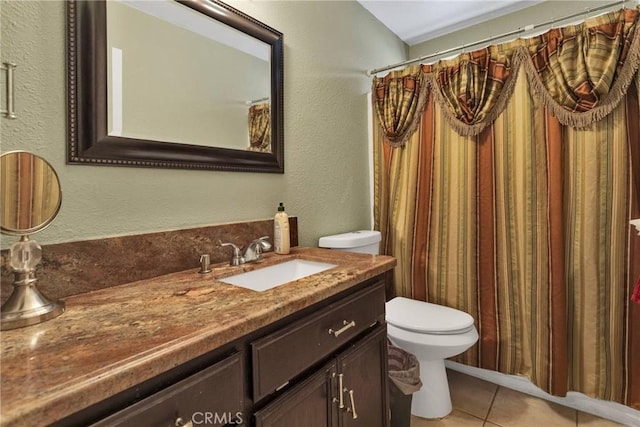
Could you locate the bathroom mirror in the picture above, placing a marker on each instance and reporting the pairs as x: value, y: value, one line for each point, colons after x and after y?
x: 218, y: 64
x: 31, y: 198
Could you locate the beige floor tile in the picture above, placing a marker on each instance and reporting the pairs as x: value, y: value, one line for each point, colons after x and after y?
x: 454, y: 419
x: 514, y: 409
x: 585, y: 419
x: 471, y: 395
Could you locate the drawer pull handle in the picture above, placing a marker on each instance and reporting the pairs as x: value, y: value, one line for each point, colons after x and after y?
x: 282, y: 386
x: 180, y: 423
x: 353, y: 405
x: 346, y: 325
x: 341, y: 402
x: 8, y: 68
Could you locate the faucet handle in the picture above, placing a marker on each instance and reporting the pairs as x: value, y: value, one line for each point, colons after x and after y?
x: 235, y: 247
x: 236, y: 258
x: 262, y: 242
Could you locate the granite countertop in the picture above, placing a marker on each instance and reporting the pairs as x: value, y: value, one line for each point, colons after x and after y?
x: 110, y: 340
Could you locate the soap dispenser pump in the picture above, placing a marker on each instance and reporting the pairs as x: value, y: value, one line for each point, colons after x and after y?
x: 281, y: 235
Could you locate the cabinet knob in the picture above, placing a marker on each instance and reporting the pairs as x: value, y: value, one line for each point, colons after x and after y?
x: 346, y: 325
x: 180, y: 423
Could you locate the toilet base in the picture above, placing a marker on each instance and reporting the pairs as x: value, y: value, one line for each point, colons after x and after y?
x: 433, y: 400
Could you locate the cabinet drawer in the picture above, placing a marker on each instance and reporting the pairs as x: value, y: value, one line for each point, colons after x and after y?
x: 280, y: 356
x: 213, y: 397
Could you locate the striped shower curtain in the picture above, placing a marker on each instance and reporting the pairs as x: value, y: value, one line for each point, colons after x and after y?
x: 260, y: 127
x: 505, y: 180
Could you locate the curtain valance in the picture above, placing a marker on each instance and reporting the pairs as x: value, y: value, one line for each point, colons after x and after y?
x: 260, y: 128
x: 398, y: 102
x: 580, y: 73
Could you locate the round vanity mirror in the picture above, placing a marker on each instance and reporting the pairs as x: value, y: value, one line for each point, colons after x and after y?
x: 31, y: 197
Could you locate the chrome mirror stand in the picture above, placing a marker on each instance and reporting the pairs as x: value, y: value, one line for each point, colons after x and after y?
x: 26, y: 305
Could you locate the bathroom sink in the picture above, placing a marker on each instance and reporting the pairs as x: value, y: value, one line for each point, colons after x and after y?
x: 266, y: 278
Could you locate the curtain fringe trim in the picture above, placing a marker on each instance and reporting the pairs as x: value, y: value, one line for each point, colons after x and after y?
x: 609, y: 102
x: 475, y: 129
x: 522, y: 59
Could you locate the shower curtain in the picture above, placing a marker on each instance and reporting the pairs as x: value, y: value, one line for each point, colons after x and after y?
x: 260, y: 127
x: 504, y: 181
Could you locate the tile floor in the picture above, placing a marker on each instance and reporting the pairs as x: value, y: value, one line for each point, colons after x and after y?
x: 478, y: 403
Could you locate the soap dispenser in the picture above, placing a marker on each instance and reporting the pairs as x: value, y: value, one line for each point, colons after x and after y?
x: 281, y: 231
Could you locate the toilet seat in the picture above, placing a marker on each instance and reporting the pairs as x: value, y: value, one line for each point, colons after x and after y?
x: 427, y: 318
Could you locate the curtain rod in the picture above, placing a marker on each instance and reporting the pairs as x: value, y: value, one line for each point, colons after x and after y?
x: 257, y: 101
x: 524, y: 29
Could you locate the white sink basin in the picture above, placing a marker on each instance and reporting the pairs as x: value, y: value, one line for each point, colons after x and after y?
x: 266, y: 278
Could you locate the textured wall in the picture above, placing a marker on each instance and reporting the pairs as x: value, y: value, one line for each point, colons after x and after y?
x: 328, y: 45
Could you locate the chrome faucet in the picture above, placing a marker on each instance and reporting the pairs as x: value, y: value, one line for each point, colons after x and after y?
x: 252, y: 253
x: 254, y: 250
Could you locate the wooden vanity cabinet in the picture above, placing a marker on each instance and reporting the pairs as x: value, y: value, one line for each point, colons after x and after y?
x: 325, y: 366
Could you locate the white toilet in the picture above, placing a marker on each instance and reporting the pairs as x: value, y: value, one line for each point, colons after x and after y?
x: 429, y: 331
x: 432, y: 333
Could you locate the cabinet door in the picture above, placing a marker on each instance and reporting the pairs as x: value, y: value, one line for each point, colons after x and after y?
x: 364, y: 382
x: 309, y: 404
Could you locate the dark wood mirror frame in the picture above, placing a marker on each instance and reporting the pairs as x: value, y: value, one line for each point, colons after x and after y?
x: 88, y: 141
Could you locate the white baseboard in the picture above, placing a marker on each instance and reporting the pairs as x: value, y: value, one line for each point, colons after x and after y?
x: 610, y: 410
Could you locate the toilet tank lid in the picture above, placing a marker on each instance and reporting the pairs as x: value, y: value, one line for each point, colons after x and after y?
x: 420, y: 316
x: 352, y: 239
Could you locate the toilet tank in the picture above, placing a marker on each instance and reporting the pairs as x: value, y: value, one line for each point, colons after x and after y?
x: 363, y: 241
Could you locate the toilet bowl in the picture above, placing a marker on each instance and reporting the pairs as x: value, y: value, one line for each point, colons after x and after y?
x: 432, y: 333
